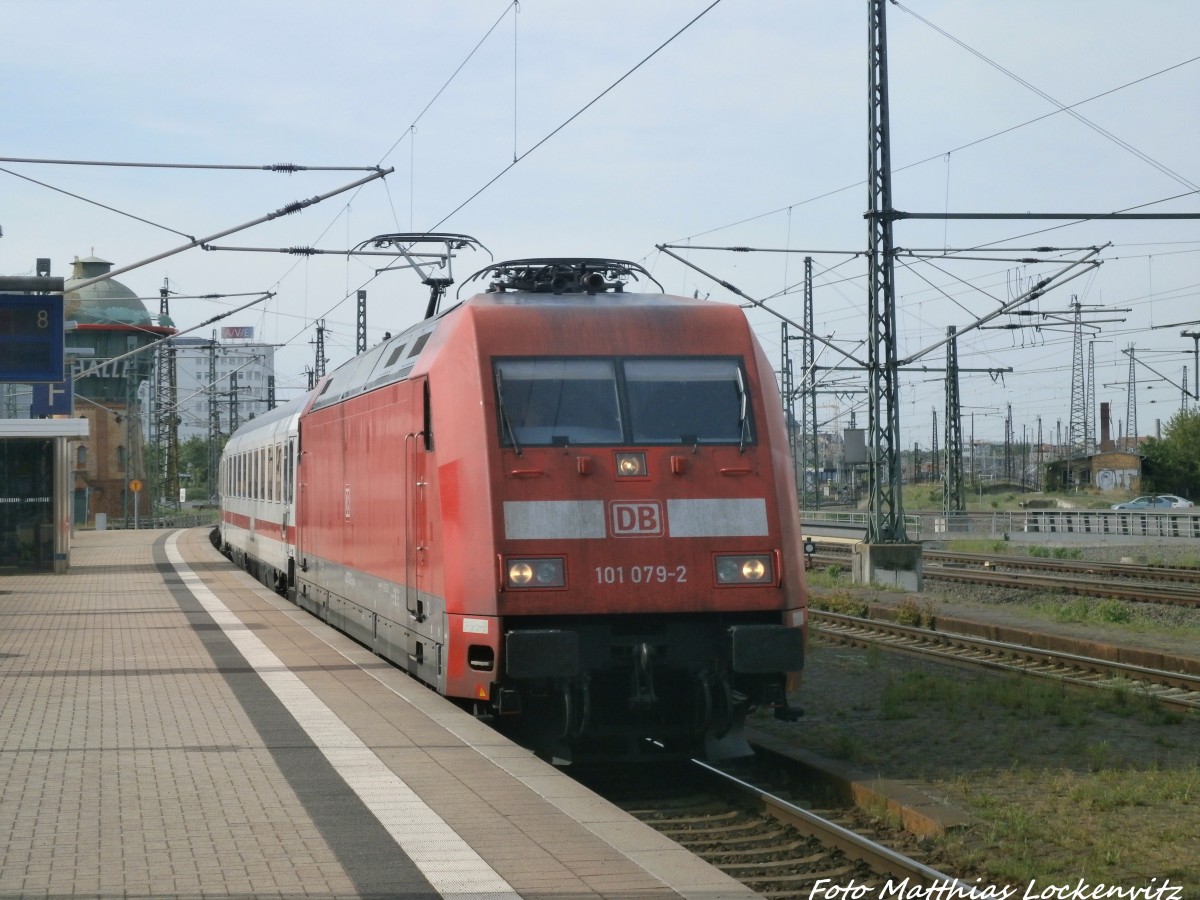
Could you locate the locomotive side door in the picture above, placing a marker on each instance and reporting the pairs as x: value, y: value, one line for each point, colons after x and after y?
x: 424, y: 650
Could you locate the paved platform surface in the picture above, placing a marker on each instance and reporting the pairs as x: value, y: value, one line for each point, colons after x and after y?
x: 171, y: 728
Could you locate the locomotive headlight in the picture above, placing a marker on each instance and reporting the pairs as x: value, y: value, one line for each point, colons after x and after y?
x: 753, y: 570
x: 631, y: 465
x: 536, y: 573
x: 756, y: 569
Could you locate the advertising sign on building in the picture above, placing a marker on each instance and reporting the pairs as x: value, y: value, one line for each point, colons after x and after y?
x: 237, y: 332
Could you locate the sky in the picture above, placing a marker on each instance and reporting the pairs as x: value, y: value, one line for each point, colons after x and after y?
x: 571, y: 128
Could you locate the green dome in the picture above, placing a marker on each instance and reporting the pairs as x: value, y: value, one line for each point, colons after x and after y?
x: 105, y: 303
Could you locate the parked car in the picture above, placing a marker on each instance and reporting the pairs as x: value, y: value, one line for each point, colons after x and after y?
x: 1156, y: 501
x: 1176, y: 501
x: 1147, y: 502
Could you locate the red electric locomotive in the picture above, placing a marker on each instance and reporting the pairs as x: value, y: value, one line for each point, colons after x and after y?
x: 562, y: 504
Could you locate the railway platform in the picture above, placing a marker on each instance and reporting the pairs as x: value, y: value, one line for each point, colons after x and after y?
x: 171, y: 728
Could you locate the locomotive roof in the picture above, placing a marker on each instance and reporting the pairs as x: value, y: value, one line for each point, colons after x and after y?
x: 393, y: 359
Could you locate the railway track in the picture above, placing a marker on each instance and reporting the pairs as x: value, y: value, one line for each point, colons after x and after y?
x: 1069, y: 584
x: 1184, y: 574
x: 764, y: 840
x: 1037, y: 574
x: 1172, y: 688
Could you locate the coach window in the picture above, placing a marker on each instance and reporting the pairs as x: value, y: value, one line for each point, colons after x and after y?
x: 289, y: 471
x: 548, y: 402
x: 700, y: 401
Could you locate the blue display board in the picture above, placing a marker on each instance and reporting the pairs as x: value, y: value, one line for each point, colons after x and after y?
x: 52, y: 399
x: 31, y: 338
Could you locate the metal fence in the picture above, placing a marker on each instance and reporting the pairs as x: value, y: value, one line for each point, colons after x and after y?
x: 931, y: 526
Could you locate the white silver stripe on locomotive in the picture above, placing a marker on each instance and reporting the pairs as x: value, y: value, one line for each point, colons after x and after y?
x: 567, y: 519
x: 745, y: 517
x: 529, y: 520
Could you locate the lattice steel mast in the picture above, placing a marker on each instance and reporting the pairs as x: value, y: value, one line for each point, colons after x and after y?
x: 954, y: 495
x: 808, y: 383
x: 885, y: 522
x: 1131, y: 425
x: 165, y: 434
x: 1077, y: 434
x: 319, y: 362
x: 788, y: 390
x: 360, y: 343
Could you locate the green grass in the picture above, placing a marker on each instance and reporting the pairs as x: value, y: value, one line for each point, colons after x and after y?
x: 1107, y: 823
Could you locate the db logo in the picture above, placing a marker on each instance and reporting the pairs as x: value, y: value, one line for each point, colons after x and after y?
x: 641, y: 518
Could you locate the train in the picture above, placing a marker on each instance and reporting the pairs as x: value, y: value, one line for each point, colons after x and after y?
x: 564, y: 504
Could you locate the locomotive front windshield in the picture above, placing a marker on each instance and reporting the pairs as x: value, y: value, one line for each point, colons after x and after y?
x: 563, y: 402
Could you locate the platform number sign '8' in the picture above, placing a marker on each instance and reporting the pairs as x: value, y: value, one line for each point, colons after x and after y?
x: 31, y: 338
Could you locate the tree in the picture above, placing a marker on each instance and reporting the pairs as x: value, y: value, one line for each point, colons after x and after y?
x: 193, y: 466
x: 1172, y: 464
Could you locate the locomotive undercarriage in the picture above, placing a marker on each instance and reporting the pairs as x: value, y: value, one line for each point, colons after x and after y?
x: 600, y: 689
x: 627, y: 688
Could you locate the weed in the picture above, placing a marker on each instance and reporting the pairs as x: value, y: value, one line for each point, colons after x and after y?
x: 842, y: 603
x: 911, y: 611
x: 1073, y: 609
x: 846, y: 746
x: 1067, y: 553
x: 902, y: 698
x: 976, y: 545
x: 874, y: 656
x: 1099, y: 756
x: 1110, y: 610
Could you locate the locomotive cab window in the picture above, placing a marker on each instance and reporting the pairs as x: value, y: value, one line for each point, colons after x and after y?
x: 690, y: 401
x: 567, y: 402
x: 545, y: 402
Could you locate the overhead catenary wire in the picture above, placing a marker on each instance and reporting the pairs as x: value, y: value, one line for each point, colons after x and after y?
x: 517, y: 159
x: 1062, y: 107
x: 288, y: 168
x: 293, y: 207
x: 576, y: 114
x: 943, y: 153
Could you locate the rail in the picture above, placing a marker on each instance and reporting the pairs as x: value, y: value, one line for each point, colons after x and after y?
x: 879, y: 858
x: 1173, y: 688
